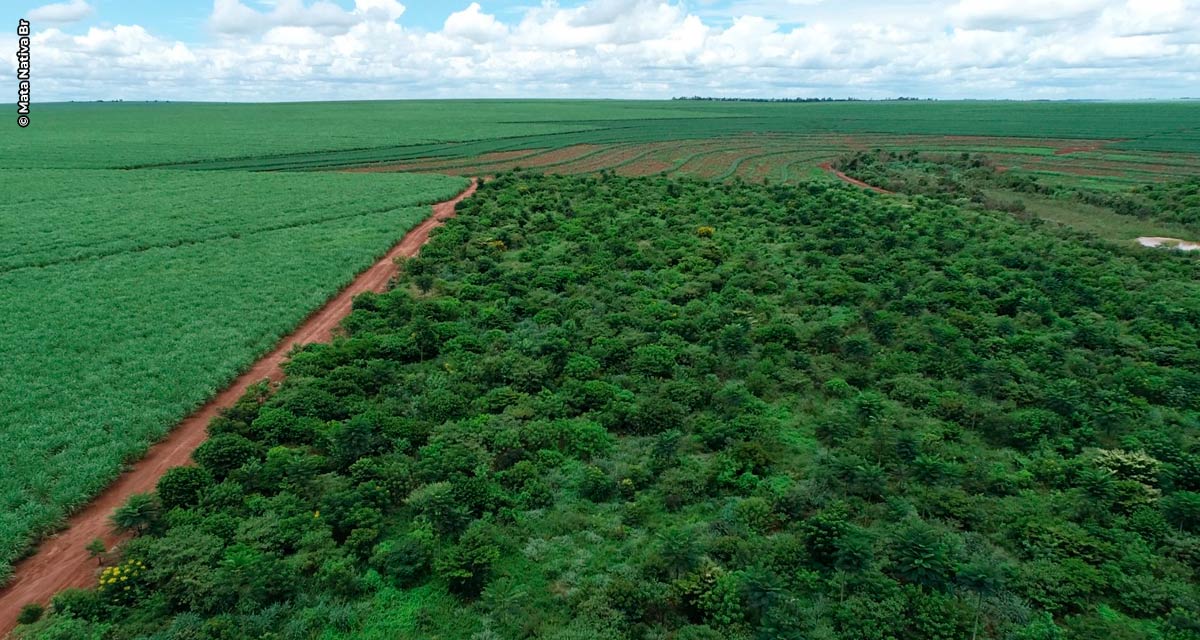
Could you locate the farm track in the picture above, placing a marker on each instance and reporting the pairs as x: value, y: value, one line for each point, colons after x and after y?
x: 61, y: 561
x: 854, y: 181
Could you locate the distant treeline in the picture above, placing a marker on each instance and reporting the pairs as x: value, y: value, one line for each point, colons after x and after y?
x: 719, y: 99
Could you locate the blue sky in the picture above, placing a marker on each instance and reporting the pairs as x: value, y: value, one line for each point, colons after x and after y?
x: 362, y: 49
x: 187, y: 20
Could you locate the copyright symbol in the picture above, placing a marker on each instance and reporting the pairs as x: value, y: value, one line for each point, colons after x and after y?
x: 22, y: 121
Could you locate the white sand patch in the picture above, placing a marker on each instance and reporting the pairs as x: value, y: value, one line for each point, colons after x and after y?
x: 1169, y: 243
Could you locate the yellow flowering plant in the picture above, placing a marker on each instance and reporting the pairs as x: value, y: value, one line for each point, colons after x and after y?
x: 121, y: 584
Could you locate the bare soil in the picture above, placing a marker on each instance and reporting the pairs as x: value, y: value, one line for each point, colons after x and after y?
x: 1095, y: 145
x: 62, y: 562
x: 847, y: 179
x: 1168, y: 243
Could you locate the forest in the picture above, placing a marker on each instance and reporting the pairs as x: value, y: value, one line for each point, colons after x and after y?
x: 659, y: 408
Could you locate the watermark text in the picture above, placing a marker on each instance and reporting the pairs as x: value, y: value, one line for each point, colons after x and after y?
x: 23, y: 73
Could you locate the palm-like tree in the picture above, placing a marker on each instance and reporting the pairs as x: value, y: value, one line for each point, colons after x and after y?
x: 137, y: 514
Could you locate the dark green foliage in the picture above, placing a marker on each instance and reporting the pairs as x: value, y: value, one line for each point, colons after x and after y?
x: 182, y: 486
x: 1182, y: 509
x: 467, y: 565
x: 79, y: 603
x: 922, y: 556
x: 139, y: 513
x: 405, y: 560
x: 838, y: 416
x: 30, y: 613
x: 225, y: 453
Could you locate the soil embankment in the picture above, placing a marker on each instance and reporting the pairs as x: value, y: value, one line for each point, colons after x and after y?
x: 62, y: 561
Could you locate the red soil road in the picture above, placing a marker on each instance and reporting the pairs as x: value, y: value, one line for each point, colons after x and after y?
x: 62, y: 562
x: 1089, y: 146
x: 828, y: 166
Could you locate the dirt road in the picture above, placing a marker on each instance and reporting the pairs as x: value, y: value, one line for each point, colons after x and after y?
x: 828, y: 166
x: 1092, y: 145
x: 61, y: 561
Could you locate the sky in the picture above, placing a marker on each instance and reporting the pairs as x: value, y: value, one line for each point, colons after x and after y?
x: 286, y: 50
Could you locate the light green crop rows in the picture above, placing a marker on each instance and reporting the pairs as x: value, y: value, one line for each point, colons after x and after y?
x: 154, y: 292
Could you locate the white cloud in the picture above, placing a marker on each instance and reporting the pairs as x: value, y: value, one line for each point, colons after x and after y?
x: 298, y: 49
x: 1007, y: 14
x: 299, y: 37
x: 61, y: 12
x: 474, y: 25
x: 1150, y: 17
x: 233, y: 17
x: 386, y: 10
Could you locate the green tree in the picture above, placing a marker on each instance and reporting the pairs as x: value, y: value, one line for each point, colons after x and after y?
x: 97, y: 549
x: 183, y: 486
x: 982, y: 577
x: 436, y: 501
x: 406, y: 560
x: 223, y: 454
x: 678, y: 551
x: 921, y: 555
x: 467, y: 565
x: 1182, y: 509
x: 140, y: 512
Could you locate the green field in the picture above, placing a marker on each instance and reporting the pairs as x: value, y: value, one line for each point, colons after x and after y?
x: 113, y: 135
x: 132, y: 297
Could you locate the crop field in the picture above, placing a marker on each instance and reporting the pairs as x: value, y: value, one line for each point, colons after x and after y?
x: 478, y: 136
x: 131, y: 297
x: 1108, y: 146
x: 789, y: 158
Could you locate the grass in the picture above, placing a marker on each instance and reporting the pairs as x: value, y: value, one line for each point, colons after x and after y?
x: 1103, y: 223
x: 427, y: 611
x: 121, y: 319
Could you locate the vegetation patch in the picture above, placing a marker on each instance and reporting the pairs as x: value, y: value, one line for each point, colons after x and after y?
x: 599, y: 407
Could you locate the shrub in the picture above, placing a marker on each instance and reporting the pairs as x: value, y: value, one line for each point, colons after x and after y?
x: 596, y: 485
x: 138, y: 513
x: 30, y: 613
x: 223, y: 454
x: 84, y: 604
x: 182, y: 486
x: 405, y: 560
